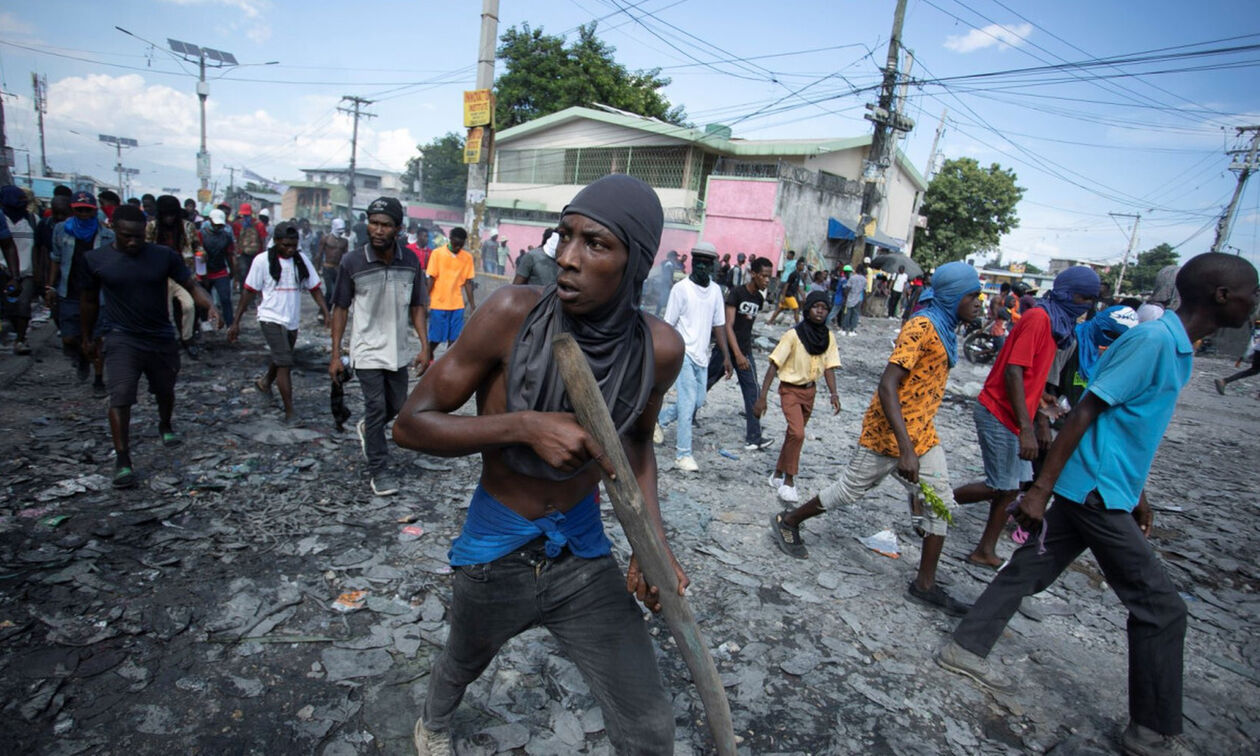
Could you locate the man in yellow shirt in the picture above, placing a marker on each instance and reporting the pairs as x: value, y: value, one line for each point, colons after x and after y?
x: 899, y: 430
x: 450, y: 269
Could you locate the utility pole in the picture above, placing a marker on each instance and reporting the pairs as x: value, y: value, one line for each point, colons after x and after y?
x: 40, y: 83
x: 1244, y: 169
x: 928, y: 172
x: 479, y: 172
x: 357, y: 102
x: 887, y: 119
x: 1124, y: 265
x: 6, y: 160
x: 231, y: 181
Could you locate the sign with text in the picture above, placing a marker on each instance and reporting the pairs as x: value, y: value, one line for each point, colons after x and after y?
x: 472, y: 146
x: 478, y: 108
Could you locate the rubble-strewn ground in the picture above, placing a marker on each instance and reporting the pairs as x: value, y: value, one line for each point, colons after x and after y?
x: 194, y: 614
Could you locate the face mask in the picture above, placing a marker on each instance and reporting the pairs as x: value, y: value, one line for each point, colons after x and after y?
x: 700, y: 272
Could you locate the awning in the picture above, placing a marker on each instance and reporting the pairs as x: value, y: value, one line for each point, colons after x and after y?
x: 843, y: 230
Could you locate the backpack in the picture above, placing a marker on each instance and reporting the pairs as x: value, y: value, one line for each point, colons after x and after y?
x: 250, y: 241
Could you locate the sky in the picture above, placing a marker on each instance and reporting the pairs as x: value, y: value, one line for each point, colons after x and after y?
x: 1141, y: 129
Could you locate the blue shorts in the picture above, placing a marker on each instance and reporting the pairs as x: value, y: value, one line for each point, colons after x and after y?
x: 69, y: 324
x: 445, y: 325
x: 999, y: 448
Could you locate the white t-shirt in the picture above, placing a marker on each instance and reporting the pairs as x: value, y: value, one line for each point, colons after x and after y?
x: 899, y: 283
x: 693, y: 312
x: 24, y: 239
x: 281, y: 301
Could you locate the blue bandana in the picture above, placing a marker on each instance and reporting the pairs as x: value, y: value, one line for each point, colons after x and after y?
x: 81, y: 229
x: 1099, y: 332
x: 950, y: 283
x: 1078, y: 279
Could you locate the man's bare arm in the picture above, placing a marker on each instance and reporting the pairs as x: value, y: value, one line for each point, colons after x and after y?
x: 890, y: 400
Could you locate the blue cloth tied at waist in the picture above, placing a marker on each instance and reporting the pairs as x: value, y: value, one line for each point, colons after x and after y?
x: 492, y: 530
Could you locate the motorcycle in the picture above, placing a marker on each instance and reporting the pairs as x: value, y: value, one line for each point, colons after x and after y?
x: 980, y: 346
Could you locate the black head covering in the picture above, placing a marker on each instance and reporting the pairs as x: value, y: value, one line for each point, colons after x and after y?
x: 814, y: 336
x: 615, y: 339
x: 169, y: 205
x: 388, y: 206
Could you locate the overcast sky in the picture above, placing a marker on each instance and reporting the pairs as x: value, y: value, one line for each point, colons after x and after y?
x: 1149, y: 139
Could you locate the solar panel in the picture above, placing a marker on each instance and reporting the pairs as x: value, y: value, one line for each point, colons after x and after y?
x: 125, y: 142
x: 107, y: 138
x: 228, y: 58
x: 184, y: 48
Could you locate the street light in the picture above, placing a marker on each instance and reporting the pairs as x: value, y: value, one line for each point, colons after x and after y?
x: 219, y: 59
x: 119, y: 143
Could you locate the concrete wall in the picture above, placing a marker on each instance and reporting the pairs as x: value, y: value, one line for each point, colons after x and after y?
x: 804, y: 212
x: 899, y: 190
x: 740, y: 217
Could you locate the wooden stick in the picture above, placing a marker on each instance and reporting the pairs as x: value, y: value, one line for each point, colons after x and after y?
x: 649, y: 548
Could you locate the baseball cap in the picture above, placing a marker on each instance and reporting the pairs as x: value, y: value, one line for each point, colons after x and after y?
x: 246, y: 209
x: 218, y: 217
x: 83, y: 199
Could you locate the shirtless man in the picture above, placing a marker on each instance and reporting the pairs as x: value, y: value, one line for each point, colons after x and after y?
x: 533, y: 551
x: 332, y: 246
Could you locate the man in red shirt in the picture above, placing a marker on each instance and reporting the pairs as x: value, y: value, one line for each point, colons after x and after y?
x: 1004, y: 415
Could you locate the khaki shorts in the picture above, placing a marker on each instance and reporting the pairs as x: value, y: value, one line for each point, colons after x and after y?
x: 868, y: 469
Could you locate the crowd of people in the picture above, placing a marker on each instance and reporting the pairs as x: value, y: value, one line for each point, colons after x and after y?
x: 129, y: 284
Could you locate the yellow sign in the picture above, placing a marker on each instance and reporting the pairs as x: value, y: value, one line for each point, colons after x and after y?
x: 478, y: 108
x: 203, y: 196
x: 869, y: 228
x: 472, y: 147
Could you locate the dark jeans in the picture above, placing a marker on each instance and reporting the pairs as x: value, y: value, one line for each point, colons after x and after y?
x: 747, y: 386
x: 1157, y: 615
x: 222, y: 288
x: 330, y: 283
x: 893, y: 299
x: 851, y: 316
x: 384, y: 392
x: 584, y: 604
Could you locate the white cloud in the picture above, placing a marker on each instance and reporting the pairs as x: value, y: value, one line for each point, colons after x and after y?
x: 248, y: 16
x: 1001, y: 35
x: 12, y: 26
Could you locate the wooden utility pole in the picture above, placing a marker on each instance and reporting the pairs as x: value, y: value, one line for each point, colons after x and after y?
x: 1244, y: 168
x: 479, y: 172
x: 357, y: 102
x: 6, y: 177
x: 40, y: 84
x: 1133, y: 235
x: 887, y: 119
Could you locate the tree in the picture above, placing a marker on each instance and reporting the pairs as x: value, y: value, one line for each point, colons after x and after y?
x: 544, y: 76
x: 968, y: 208
x: 443, y: 175
x: 1139, y: 277
x: 1034, y: 269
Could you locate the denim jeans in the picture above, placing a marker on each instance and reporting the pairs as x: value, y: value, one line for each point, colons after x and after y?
x: 330, y: 283
x: 583, y: 603
x: 851, y: 316
x: 690, y: 386
x: 222, y: 288
x: 384, y: 392
x: 747, y: 386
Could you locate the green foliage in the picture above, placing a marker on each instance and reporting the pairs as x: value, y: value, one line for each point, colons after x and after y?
x: 544, y: 75
x: 444, y: 177
x: 1139, y: 278
x: 1034, y: 269
x: 968, y: 208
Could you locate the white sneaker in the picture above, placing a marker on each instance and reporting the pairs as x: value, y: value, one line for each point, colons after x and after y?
x: 361, y: 427
x: 788, y: 494
x: 776, y: 481
x: 686, y: 464
x: 658, y: 435
x: 431, y: 743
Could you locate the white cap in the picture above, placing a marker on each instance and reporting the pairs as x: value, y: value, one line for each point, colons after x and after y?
x: 217, y: 217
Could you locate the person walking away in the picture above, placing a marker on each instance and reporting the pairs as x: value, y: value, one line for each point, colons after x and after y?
x: 533, y: 551
x: 898, y: 289
x: 451, y: 279
x: 219, y: 262
x: 490, y: 254
x: 79, y: 234
x: 790, y: 300
x: 249, y: 234
x: 385, y: 283
x: 21, y: 261
x: 854, y: 292
x: 743, y: 305
x: 899, y: 431
x: 132, y: 274
x: 171, y: 229
x: 803, y: 354
x: 696, y: 311
x: 1008, y: 403
x: 1097, y: 470
x: 739, y: 273
x: 538, y: 268
x: 280, y: 277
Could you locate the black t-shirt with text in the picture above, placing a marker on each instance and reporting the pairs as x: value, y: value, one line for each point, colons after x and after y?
x: 746, y: 308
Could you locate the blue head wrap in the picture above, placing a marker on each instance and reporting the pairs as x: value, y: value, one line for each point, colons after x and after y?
x: 1099, y: 332
x: 82, y: 229
x: 1078, y: 279
x: 950, y: 283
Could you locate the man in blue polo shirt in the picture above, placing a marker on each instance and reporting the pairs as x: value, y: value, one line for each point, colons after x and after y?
x: 1097, y: 469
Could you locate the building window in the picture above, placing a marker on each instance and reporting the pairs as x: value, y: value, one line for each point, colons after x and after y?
x: 661, y: 167
x: 371, y: 182
x: 531, y: 167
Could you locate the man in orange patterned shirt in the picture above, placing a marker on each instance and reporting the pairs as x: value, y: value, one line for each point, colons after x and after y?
x: 899, y: 432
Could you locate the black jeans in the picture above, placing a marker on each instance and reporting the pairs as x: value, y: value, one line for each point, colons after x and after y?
x: 584, y: 604
x: 747, y: 386
x: 384, y: 392
x: 1157, y: 615
x: 893, y: 299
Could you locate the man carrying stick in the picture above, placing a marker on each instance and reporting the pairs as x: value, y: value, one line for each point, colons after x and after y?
x: 533, y: 551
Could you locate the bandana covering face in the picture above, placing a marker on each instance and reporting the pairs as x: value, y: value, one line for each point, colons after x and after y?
x: 1079, y: 279
x: 950, y: 283
x: 615, y: 338
x: 1100, y: 331
x: 814, y: 336
x: 82, y: 229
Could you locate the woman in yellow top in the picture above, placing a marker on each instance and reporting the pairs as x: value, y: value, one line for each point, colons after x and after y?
x: 804, y: 353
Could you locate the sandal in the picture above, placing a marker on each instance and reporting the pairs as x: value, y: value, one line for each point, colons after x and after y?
x: 124, y: 477
x: 171, y: 438
x: 788, y: 537
x: 261, y: 387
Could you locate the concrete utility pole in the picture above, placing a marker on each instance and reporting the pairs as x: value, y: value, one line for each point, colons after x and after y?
x: 357, y: 102
x: 6, y: 177
x: 479, y: 172
x: 928, y: 172
x: 887, y: 119
x: 40, y: 83
x: 1124, y: 265
x: 1244, y: 168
